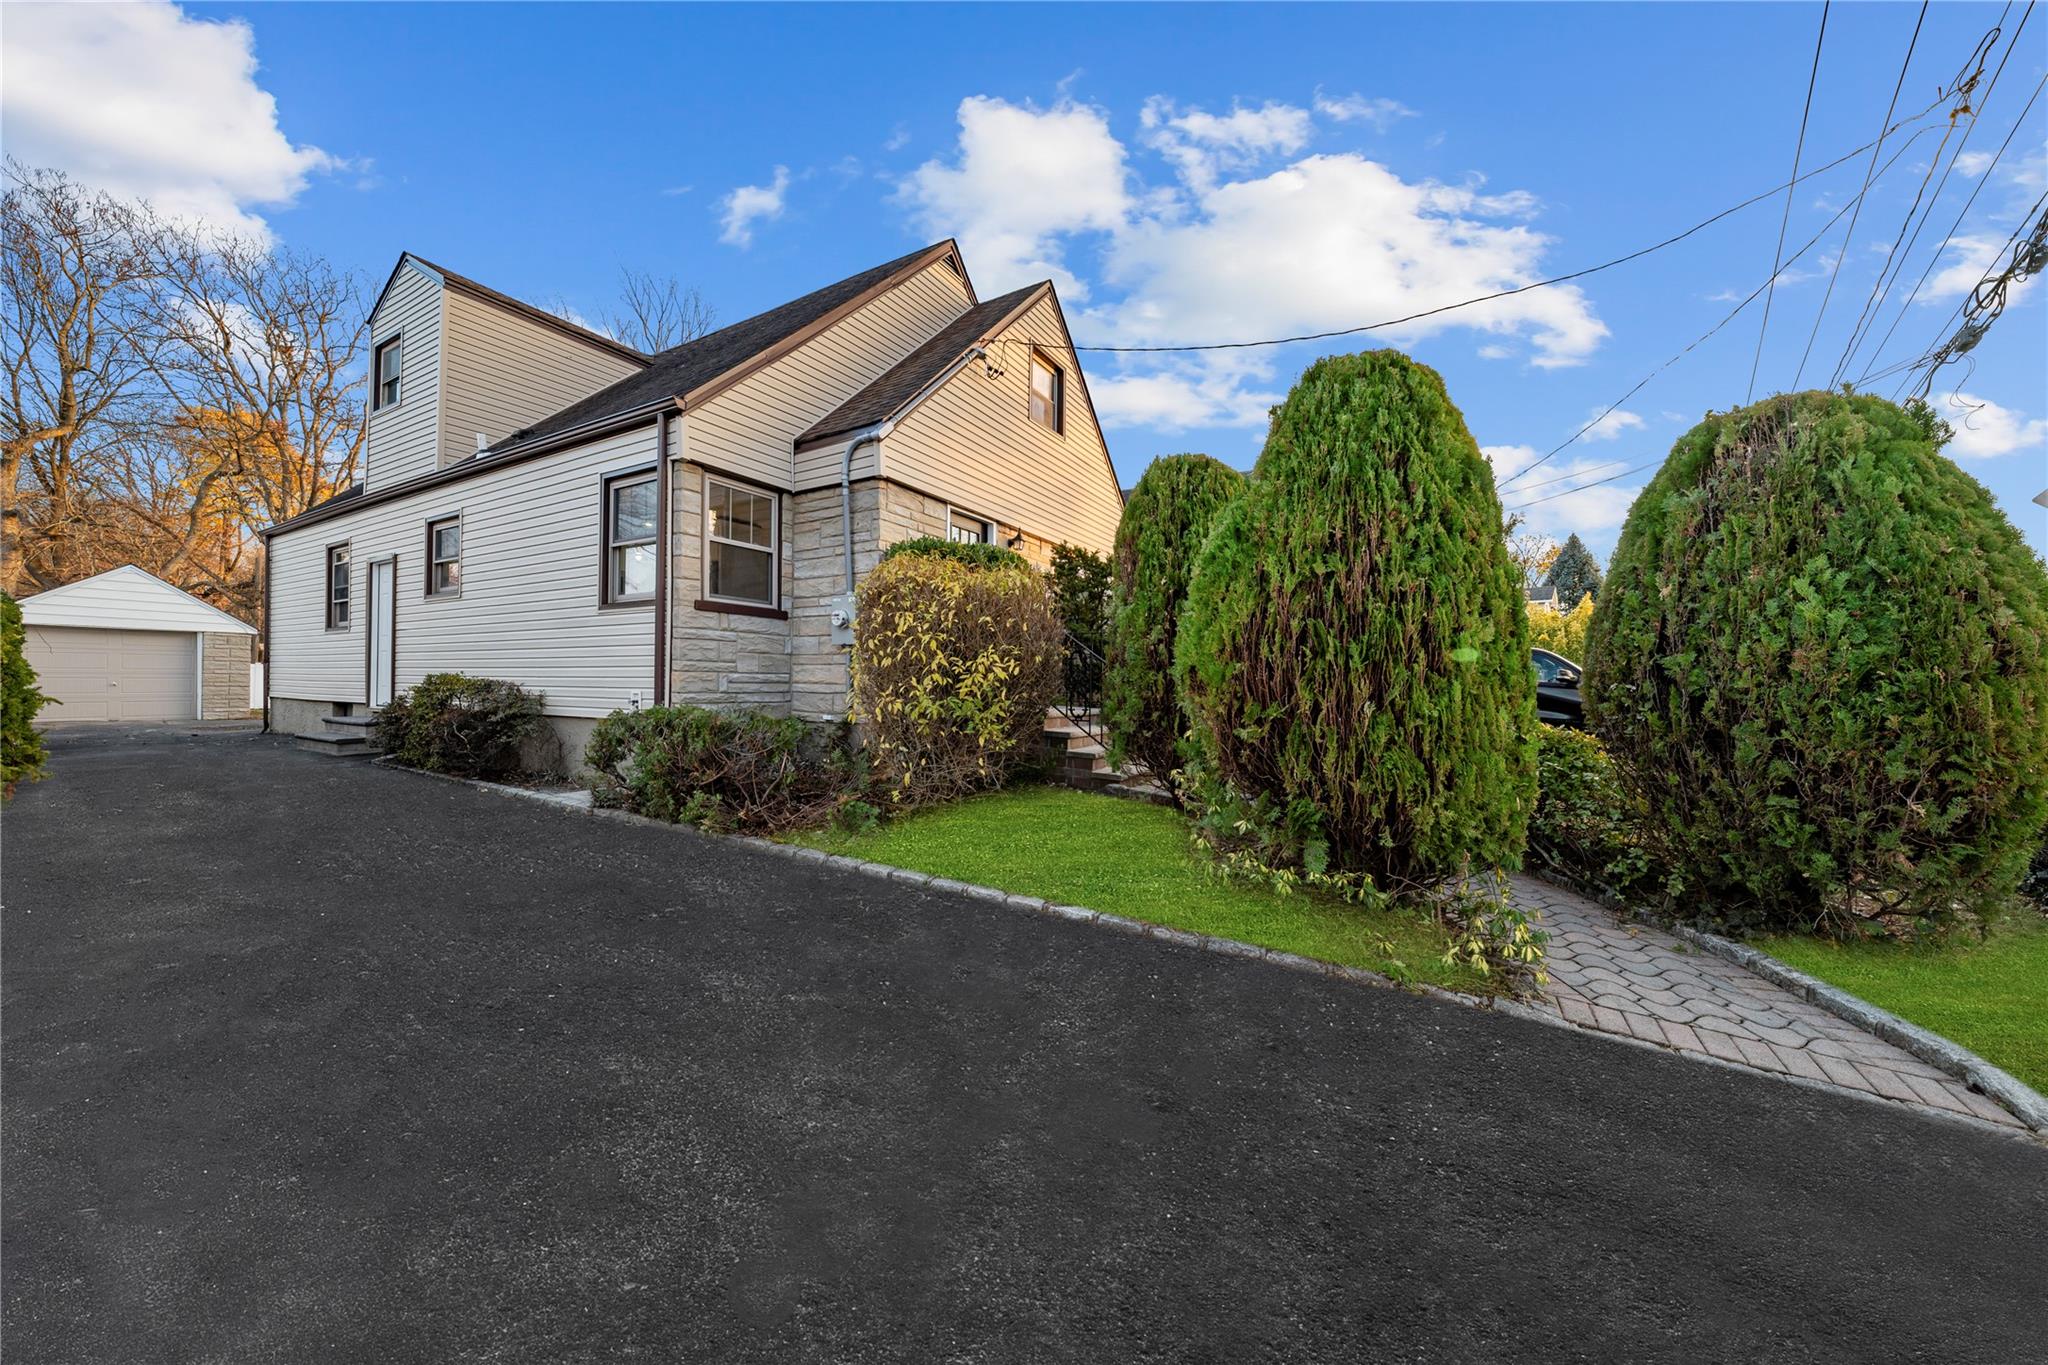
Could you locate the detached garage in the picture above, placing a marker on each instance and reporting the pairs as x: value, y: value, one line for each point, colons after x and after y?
x: 127, y: 646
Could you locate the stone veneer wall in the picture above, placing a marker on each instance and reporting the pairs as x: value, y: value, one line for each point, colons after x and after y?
x: 224, y: 675
x: 722, y: 658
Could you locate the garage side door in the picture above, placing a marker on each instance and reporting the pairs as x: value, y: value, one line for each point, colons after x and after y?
x: 116, y: 674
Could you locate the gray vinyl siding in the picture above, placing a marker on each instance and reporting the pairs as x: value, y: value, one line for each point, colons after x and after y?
x: 404, y: 440
x: 501, y: 373
x: 529, y: 608
x: 973, y: 443
x: 751, y: 428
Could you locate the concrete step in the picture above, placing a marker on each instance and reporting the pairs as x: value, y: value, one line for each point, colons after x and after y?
x: 345, y: 724
x: 337, y: 745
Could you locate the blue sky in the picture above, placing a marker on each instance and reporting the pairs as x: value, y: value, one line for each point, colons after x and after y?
x: 1187, y: 174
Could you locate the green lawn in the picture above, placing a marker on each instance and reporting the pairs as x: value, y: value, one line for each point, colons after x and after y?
x: 1127, y: 858
x: 1992, y: 997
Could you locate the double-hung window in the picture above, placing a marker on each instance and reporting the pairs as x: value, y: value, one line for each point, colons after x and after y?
x: 1048, y: 393
x: 337, y: 587
x: 444, y: 557
x: 388, y: 365
x: 740, y: 536
x: 630, y: 557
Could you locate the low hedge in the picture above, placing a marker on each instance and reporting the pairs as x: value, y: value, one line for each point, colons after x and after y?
x: 1587, y: 826
x: 976, y: 553
x: 726, y: 771
x: 453, y: 723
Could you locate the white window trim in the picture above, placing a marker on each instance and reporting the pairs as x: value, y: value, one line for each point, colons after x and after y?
x: 987, y: 524
x: 773, y: 547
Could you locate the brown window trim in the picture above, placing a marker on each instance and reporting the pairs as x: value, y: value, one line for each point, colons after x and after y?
x: 605, y: 600
x: 327, y: 586
x: 740, y: 609
x: 377, y: 403
x: 428, y: 576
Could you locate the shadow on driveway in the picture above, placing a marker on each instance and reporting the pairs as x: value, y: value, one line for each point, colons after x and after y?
x: 307, y: 1060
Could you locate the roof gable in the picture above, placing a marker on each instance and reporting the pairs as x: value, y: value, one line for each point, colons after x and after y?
x: 127, y: 598
x: 448, y: 279
x: 698, y: 370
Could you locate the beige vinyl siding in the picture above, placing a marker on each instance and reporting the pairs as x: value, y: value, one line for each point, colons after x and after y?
x: 751, y: 428
x: 974, y: 444
x: 528, y: 610
x: 404, y: 440
x: 501, y: 373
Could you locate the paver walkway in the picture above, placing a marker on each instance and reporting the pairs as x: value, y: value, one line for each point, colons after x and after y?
x: 1639, y: 982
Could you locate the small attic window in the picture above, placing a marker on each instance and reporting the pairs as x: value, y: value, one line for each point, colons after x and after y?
x: 389, y: 363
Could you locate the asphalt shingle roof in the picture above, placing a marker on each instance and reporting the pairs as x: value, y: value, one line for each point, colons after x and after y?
x: 899, y: 385
x: 680, y: 369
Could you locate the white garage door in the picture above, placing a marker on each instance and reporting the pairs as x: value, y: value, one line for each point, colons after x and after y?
x: 116, y: 674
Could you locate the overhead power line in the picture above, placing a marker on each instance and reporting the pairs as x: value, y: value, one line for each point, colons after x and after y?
x: 1565, y: 493
x: 1849, y: 236
x: 1785, y: 219
x: 1987, y: 301
x: 1640, y: 384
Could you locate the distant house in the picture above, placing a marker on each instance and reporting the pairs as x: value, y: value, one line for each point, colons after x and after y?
x: 543, y: 504
x: 126, y: 646
x: 1544, y: 596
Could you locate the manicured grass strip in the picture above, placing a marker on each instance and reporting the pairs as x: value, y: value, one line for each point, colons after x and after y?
x: 1991, y: 997
x: 1127, y: 858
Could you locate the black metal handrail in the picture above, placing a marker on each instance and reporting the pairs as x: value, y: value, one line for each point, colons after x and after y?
x: 1080, y: 702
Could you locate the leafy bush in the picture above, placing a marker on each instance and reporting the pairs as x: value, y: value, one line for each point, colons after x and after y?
x: 1562, y: 632
x: 953, y: 668
x: 22, y: 755
x: 1080, y: 594
x: 1823, y: 669
x: 724, y: 770
x: 1164, y: 525
x: 1354, y: 644
x: 1574, y: 573
x: 453, y: 723
x: 968, y: 552
x: 1587, y: 825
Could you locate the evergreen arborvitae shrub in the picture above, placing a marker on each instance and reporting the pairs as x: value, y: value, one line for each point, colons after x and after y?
x: 21, y: 749
x: 1354, y: 644
x: 1574, y: 573
x: 454, y: 723
x: 1822, y: 663
x: 1164, y: 524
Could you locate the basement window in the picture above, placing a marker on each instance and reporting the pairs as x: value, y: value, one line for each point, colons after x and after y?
x: 962, y: 529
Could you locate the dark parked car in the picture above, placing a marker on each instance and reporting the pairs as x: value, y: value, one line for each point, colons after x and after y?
x: 1557, y: 690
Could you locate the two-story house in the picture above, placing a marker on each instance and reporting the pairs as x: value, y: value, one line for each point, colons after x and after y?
x: 543, y: 504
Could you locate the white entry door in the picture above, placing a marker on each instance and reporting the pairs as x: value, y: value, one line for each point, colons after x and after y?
x: 383, y: 640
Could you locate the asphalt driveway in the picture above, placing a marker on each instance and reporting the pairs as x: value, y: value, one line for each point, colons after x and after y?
x: 307, y: 1060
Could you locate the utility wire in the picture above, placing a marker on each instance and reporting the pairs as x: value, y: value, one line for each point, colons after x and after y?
x: 1611, y: 478
x: 1961, y: 90
x: 1672, y: 240
x: 1982, y: 180
x: 1850, y: 236
x: 1785, y: 219
x: 1987, y: 301
x: 1640, y: 384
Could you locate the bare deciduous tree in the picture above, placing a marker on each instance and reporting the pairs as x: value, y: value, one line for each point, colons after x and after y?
x: 656, y: 312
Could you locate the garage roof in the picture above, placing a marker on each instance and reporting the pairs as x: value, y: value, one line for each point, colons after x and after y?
x: 127, y: 598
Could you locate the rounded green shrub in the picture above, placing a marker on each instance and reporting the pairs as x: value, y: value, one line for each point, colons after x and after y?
x: 1354, y: 644
x: 1822, y: 664
x: 967, y: 552
x: 454, y: 723
x: 1164, y: 525
x: 954, y: 665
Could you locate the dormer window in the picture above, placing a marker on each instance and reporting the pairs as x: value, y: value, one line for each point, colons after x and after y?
x: 1048, y: 392
x: 389, y: 362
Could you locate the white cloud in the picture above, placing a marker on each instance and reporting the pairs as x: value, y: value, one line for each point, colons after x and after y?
x: 1569, y: 503
x: 1968, y: 257
x: 1495, y: 352
x: 1202, y: 145
x: 144, y: 101
x: 750, y: 204
x: 1024, y: 178
x: 1610, y: 427
x: 1984, y: 430
x: 1380, y: 113
x: 899, y: 138
x: 1185, y: 394
x: 1973, y: 164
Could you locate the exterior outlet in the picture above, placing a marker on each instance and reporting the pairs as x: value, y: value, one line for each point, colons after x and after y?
x: 633, y: 701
